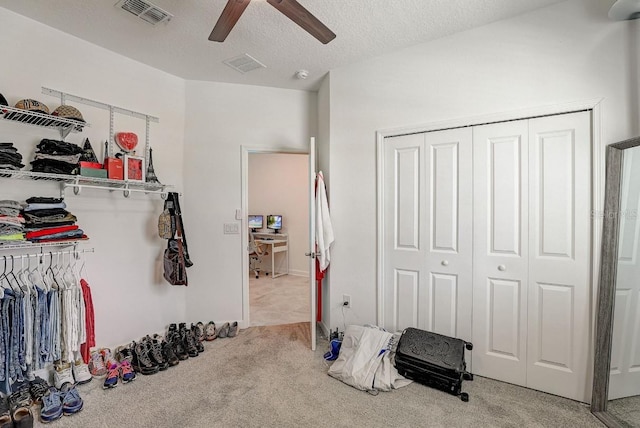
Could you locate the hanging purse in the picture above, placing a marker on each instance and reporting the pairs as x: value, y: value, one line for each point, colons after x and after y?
x: 175, y: 270
x: 166, y: 221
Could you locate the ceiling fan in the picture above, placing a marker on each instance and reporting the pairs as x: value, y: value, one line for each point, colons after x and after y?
x: 291, y: 8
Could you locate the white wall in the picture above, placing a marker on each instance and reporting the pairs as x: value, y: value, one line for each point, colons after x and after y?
x: 220, y: 119
x: 278, y: 184
x: 130, y: 297
x: 564, y: 53
x: 323, y: 148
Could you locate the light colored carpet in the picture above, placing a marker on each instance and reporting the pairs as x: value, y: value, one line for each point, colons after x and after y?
x: 268, y: 377
x: 282, y: 300
x: 627, y: 410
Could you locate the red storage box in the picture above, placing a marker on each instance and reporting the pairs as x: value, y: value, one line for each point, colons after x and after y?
x: 95, y: 165
x: 114, y: 167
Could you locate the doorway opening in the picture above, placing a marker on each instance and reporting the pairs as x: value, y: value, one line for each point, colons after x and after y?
x: 275, y: 190
x: 278, y: 269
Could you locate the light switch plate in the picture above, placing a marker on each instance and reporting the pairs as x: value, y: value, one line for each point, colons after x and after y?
x: 231, y: 228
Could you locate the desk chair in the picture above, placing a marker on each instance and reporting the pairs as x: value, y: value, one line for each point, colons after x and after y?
x: 256, y: 252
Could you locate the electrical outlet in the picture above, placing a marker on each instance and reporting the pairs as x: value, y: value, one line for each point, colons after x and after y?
x: 346, y: 300
x: 231, y: 229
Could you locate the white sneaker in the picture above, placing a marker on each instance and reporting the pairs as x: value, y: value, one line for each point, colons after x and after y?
x: 62, y: 374
x: 81, y: 372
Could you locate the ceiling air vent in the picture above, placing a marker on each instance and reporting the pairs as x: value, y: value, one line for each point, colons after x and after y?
x: 244, y: 63
x: 146, y: 11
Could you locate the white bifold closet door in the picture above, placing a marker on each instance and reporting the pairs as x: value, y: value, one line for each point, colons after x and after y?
x: 501, y: 250
x: 532, y: 206
x: 625, y: 346
x: 427, y: 240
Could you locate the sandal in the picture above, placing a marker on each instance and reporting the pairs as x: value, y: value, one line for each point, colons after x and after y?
x: 22, y: 417
x: 5, y: 416
x: 38, y: 388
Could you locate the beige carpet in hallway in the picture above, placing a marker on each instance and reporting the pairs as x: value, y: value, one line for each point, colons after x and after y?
x: 282, y: 300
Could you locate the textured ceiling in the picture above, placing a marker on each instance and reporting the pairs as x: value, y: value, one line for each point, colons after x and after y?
x: 364, y: 28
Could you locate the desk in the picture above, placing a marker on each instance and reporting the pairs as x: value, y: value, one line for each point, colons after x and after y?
x: 279, y: 245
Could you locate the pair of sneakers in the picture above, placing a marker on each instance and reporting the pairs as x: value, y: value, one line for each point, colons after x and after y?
x: 117, y: 368
x: 76, y: 372
x: 58, y: 402
x: 153, y: 354
x: 228, y: 330
x: 211, y: 332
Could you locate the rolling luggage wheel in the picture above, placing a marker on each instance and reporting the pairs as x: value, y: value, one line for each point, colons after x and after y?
x: 469, y: 346
x: 467, y: 376
x: 464, y: 397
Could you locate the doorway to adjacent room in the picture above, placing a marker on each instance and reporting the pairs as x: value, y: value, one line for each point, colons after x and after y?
x: 277, y: 185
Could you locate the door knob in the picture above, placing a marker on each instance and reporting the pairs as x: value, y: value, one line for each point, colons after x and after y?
x: 445, y: 263
x: 502, y: 268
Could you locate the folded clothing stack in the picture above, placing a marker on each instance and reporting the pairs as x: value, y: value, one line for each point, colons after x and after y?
x: 9, y: 157
x: 56, y: 157
x: 11, y: 222
x: 47, y: 220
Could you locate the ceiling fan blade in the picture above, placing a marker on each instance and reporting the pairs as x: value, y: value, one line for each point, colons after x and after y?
x: 301, y: 16
x: 230, y: 15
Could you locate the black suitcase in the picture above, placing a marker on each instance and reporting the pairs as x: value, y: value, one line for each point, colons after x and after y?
x: 434, y: 360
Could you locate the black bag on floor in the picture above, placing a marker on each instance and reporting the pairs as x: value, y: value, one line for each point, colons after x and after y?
x: 433, y: 360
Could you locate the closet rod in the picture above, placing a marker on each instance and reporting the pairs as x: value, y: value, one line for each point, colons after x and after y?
x: 49, y: 253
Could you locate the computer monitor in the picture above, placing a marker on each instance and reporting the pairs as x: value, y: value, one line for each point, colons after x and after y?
x: 255, y: 222
x: 274, y: 222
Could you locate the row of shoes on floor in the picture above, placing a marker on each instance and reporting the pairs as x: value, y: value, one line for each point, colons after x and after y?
x: 154, y: 353
x: 148, y: 356
x: 54, y: 401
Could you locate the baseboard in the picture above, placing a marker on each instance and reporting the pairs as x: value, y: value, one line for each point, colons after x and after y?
x: 303, y: 273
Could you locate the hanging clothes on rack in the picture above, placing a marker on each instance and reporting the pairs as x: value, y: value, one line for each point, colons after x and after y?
x: 89, y: 322
x: 42, y: 317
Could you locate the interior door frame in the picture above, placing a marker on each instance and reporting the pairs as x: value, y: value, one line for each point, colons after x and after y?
x: 597, y: 186
x: 244, y: 233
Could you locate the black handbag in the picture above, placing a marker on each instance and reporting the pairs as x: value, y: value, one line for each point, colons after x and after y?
x: 175, y: 269
x: 172, y: 205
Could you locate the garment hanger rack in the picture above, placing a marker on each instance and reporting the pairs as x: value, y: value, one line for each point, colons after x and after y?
x: 43, y: 254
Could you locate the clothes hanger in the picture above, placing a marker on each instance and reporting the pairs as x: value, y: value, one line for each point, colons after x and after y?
x: 2, y: 277
x: 36, y: 277
x: 76, y: 272
x: 83, y: 268
x: 6, y: 281
x: 55, y: 269
x: 48, y: 276
x: 22, y: 276
x: 67, y: 274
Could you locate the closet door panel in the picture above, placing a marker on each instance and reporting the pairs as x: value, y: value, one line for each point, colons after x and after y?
x: 500, y: 250
x: 443, y: 295
x: 448, y: 216
x: 405, y: 312
x: 504, y: 316
x: 404, y: 302
x: 559, y: 254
